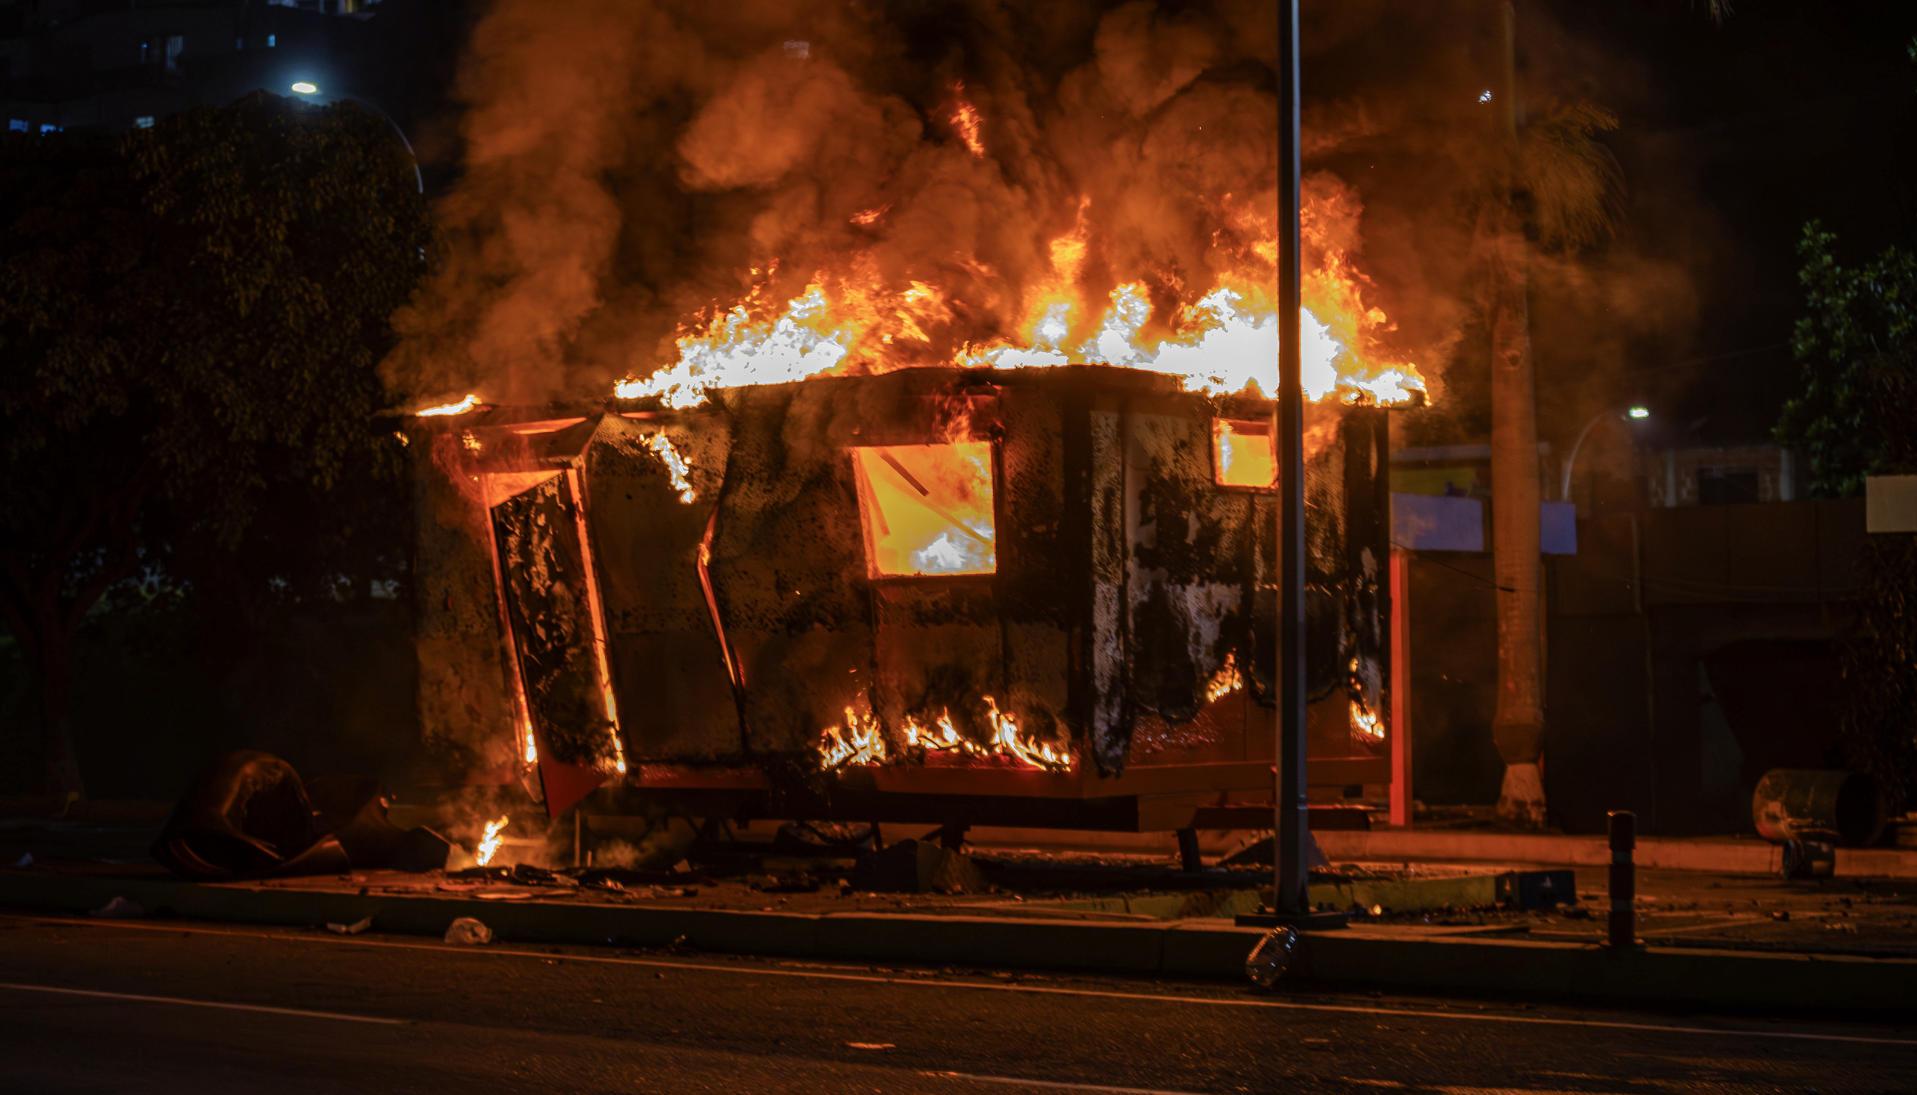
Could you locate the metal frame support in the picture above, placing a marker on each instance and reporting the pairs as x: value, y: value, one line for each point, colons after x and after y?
x: 1402, y: 796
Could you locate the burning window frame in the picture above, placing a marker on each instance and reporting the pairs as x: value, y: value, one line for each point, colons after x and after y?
x: 1224, y: 426
x: 872, y: 512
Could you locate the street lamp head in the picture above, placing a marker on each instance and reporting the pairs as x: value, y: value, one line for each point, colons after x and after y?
x: 305, y: 87
x: 1638, y: 413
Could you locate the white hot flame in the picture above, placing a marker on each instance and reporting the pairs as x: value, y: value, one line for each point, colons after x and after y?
x: 489, y: 841
x: 676, y: 466
x: 444, y: 409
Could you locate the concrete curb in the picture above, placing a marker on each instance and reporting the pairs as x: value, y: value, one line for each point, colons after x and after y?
x: 1214, y: 950
x: 1653, y: 853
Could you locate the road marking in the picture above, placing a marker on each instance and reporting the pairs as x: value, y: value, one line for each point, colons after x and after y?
x: 1055, y: 1085
x: 183, y: 1001
x: 995, y: 986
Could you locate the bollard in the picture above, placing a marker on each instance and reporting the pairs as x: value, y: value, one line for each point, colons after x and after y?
x: 1623, y: 879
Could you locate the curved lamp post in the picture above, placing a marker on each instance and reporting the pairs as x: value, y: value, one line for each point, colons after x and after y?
x: 1629, y: 414
x: 309, y: 89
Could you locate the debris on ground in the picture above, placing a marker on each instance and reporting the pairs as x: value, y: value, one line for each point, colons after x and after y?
x: 915, y: 866
x: 1268, y: 960
x: 354, y: 928
x: 249, y: 815
x: 119, y: 908
x: 468, y: 932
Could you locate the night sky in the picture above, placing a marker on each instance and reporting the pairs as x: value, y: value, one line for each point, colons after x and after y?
x: 1732, y: 137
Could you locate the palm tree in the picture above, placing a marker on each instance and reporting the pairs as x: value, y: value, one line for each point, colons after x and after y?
x: 1557, y: 193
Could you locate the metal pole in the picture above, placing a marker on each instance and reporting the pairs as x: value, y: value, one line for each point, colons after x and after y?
x: 1623, y: 919
x: 1293, y: 824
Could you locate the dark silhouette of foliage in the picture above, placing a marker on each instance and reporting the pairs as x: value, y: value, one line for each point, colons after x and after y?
x: 1856, y: 417
x: 190, y: 320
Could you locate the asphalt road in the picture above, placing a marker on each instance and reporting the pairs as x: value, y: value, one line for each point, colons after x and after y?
x: 155, y: 1006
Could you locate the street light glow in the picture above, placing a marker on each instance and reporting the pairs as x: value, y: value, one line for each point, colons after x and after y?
x: 305, y: 87
x: 1638, y: 413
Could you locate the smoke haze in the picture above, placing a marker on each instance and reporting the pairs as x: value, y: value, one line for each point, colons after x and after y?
x: 632, y: 170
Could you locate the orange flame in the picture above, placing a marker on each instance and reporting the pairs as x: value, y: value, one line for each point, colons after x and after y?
x: 1219, y: 339
x: 1224, y: 682
x: 1365, y: 725
x: 860, y: 740
x: 967, y: 123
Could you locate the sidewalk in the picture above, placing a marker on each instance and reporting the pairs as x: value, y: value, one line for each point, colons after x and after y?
x: 1452, y: 959
x: 1719, y: 941
x: 1718, y: 855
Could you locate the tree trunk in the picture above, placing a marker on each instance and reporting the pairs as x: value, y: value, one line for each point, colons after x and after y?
x: 1518, y: 725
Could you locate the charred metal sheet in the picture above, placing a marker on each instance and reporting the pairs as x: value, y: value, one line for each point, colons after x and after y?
x: 1040, y: 590
x: 549, y: 603
x: 1103, y: 512
x: 465, y: 697
x: 654, y: 486
x: 786, y: 556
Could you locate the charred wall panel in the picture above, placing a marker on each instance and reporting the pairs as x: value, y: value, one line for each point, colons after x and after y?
x: 1099, y: 503
x: 466, y: 706
x: 1191, y: 585
x: 786, y: 565
x: 675, y: 694
x: 1041, y: 589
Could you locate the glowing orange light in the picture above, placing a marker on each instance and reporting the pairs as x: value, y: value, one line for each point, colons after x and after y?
x: 968, y: 124
x: 927, y: 509
x: 1243, y: 453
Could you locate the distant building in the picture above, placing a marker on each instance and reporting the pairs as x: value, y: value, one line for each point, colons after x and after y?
x: 1721, y: 476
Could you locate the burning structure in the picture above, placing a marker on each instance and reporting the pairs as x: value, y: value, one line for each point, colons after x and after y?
x: 1035, y: 596
x: 935, y: 474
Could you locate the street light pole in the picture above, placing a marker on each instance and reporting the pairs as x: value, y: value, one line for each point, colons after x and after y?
x: 1291, y: 857
x: 1290, y: 906
x: 1629, y: 414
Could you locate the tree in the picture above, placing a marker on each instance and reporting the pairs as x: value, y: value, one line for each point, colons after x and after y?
x: 1856, y: 417
x: 1857, y: 346
x: 1557, y: 193
x: 190, y: 320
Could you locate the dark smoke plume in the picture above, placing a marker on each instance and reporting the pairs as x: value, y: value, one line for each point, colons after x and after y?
x: 632, y: 168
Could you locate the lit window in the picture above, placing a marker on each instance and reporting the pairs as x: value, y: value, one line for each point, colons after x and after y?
x: 1243, y: 454
x: 49, y: 127
x: 19, y: 125
x: 144, y: 121
x: 927, y: 509
x: 272, y: 40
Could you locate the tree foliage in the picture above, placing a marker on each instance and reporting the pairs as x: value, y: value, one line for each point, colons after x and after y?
x: 1857, y: 416
x: 190, y: 319
x: 1857, y: 346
